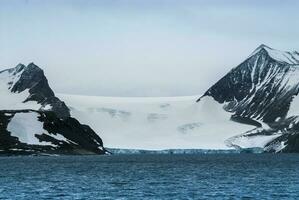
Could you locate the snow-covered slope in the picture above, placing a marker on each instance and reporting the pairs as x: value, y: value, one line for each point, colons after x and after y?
x: 156, y: 123
x: 25, y: 126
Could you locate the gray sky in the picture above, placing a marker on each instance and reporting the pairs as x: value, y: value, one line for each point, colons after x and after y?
x: 141, y: 47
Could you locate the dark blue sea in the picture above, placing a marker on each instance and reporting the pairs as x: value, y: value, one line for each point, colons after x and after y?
x: 233, y: 176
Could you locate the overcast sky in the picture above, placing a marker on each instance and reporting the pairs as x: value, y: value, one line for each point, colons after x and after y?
x: 141, y: 47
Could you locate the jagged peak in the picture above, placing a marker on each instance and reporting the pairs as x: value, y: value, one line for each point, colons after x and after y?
x: 31, y: 67
x: 263, y: 46
x: 280, y: 56
x: 20, y: 66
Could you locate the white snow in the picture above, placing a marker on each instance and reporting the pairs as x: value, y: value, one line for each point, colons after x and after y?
x: 156, y: 123
x: 244, y: 141
x: 294, y: 108
x: 25, y: 126
x: 59, y: 137
x: 47, y: 107
x: 281, y: 56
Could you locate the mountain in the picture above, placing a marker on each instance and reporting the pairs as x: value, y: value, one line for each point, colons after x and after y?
x: 261, y: 90
x: 262, y: 87
x: 34, y: 121
x: 254, y: 106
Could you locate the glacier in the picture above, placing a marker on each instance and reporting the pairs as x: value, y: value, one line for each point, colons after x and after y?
x: 136, y: 129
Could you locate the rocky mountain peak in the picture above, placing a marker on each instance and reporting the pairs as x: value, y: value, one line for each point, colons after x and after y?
x: 19, y: 68
x: 286, y: 57
x: 263, y: 47
x: 261, y: 87
x: 31, y: 79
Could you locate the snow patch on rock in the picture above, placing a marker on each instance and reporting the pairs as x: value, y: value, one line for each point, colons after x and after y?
x: 25, y: 126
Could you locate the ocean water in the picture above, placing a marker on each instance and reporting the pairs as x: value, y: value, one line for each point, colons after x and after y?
x: 235, y: 176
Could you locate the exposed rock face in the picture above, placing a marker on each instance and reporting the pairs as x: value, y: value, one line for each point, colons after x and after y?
x: 57, y: 136
x: 261, y: 87
x: 260, y: 91
x: 34, y: 121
